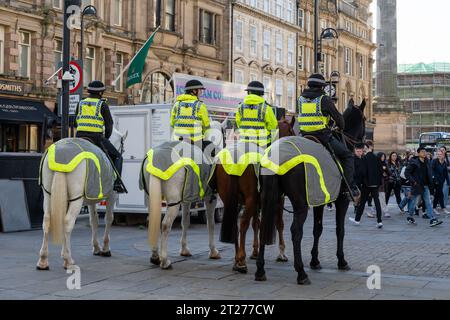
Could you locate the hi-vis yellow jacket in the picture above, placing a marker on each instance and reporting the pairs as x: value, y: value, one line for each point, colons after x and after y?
x: 255, y: 120
x: 189, y: 118
x: 89, y: 117
x: 310, y: 116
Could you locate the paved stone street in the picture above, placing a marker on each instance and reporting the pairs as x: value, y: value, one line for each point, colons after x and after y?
x: 414, y: 262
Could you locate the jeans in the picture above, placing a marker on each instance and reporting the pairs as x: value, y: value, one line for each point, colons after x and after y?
x: 396, y: 187
x: 445, y: 191
x: 407, y: 198
x: 427, y: 201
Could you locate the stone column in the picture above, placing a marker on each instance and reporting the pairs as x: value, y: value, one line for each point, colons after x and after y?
x: 390, y: 130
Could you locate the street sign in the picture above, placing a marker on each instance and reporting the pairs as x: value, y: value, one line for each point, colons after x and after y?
x: 330, y: 90
x: 77, y: 75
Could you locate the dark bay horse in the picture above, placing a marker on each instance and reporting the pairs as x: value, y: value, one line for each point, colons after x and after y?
x: 236, y: 192
x: 293, y: 186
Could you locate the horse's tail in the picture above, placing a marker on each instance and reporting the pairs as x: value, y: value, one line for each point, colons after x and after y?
x: 229, y: 228
x: 58, y: 206
x: 270, y: 203
x: 154, y: 210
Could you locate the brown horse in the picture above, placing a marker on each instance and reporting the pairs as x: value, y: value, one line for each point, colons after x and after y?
x: 236, y: 192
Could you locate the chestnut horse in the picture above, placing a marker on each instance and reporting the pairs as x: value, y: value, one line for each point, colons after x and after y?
x: 236, y: 192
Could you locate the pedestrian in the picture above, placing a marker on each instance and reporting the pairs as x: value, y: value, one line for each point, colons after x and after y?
x: 372, y: 179
x: 420, y: 175
x: 384, y: 184
x: 440, y: 176
x: 406, y: 190
x: 446, y: 186
x: 394, y: 178
x: 359, y: 167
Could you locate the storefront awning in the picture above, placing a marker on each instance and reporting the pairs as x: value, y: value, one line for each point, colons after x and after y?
x: 14, y: 110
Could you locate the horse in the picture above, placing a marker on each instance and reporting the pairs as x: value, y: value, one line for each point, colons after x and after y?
x: 172, y: 191
x: 293, y: 186
x: 60, y: 213
x: 237, y: 191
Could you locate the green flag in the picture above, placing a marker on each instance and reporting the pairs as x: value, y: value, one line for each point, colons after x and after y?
x: 137, y: 64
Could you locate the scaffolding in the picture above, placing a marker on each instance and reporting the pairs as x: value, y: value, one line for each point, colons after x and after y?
x: 424, y: 90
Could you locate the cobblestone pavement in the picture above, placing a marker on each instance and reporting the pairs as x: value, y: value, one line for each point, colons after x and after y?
x: 414, y: 263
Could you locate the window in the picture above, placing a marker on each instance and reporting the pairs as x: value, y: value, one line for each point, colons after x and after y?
x: 157, y: 89
x: 57, y: 53
x: 301, y: 18
x: 364, y: 34
x: 308, y: 60
x: 348, y: 61
x: 279, y: 8
x: 253, y: 41
x: 361, y: 67
x: 279, y: 46
x: 267, y: 88
x: 24, y: 53
x: 170, y: 15
x: 207, y: 27
x: 89, y: 66
x: 290, y: 96
x: 301, y: 52
x: 348, y: 26
x: 253, y: 77
x: 308, y: 22
x: 290, y: 11
x: 254, y: 3
x: 119, y: 68
x: 238, y: 39
x: 117, y: 12
x: 290, y: 55
x: 57, y: 4
x: 238, y: 77
x: 278, y: 92
x: 266, y: 6
x: 2, y: 49
x: 266, y: 48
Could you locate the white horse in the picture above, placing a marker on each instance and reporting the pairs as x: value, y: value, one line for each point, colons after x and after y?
x: 60, y: 214
x: 172, y: 190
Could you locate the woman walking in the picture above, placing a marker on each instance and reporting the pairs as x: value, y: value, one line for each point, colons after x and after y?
x: 440, y: 176
x: 384, y: 184
x: 394, y: 183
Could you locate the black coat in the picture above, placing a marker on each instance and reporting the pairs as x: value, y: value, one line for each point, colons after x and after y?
x: 417, y: 179
x: 373, y: 170
x: 359, y: 171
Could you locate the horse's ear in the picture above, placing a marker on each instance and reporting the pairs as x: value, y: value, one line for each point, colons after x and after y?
x: 363, y: 104
x: 292, y: 123
x: 351, y: 102
x: 125, y: 135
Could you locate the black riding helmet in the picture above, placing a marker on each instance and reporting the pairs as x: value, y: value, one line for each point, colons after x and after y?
x: 194, y: 85
x: 255, y: 87
x: 316, y: 80
x: 96, y: 87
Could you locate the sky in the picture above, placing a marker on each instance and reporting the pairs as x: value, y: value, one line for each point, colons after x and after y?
x: 422, y: 28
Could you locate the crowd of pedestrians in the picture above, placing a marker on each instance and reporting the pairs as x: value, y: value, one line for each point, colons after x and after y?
x: 419, y: 182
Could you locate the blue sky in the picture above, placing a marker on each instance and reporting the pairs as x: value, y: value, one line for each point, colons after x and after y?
x: 422, y: 30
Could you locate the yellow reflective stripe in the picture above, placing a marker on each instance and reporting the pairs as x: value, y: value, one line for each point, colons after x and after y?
x: 69, y: 167
x: 237, y: 169
x: 177, y: 165
x: 292, y: 163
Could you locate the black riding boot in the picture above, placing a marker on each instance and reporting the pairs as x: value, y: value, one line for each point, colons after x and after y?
x: 118, y: 184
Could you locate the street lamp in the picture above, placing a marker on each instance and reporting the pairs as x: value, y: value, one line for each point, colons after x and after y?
x: 87, y: 11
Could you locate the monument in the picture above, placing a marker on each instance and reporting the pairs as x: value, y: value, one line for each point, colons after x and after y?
x: 389, y: 112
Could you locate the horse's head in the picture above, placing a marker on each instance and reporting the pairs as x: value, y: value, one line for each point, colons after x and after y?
x: 355, y: 122
x: 286, y: 128
x: 215, y: 134
x: 117, y: 139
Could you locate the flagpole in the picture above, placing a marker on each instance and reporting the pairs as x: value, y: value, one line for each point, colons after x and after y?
x: 129, y: 63
x: 48, y: 80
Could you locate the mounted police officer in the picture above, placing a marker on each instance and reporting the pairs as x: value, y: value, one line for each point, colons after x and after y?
x: 315, y: 112
x: 94, y: 122
x: 190, y: 118
x: 255, y: 118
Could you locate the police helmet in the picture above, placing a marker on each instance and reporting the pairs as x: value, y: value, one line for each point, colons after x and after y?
x: 256, y: 87
x: 96, y: 86
x: 194, y: 85
x: 316, y: 80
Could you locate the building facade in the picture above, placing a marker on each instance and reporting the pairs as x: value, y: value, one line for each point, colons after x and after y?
x: 424, y: 90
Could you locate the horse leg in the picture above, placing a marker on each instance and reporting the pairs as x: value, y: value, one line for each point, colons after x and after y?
x: 317, y: 232
x: 210, y: 208
x: 169, y: 218
x: 69, y: 222
x: 297, y: 235
x: 260, y: 274
x: 93, y: 219
x: 341, y: 210
x: 109, y: 218
x: 240, y: 263
x: 43, y: 253
x: 185, y: 222
x: 280, y: 228
x: 256, y: 222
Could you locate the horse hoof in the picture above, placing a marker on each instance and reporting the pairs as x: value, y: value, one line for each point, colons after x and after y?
x: 344, y: 268
x: 215, y: 257
x: 315, y: 267
x: 304, y: 282
x: 42, y: 268
x: 260, y: 277
x: 282, y: 258
x: 155, y: 261
x: 240, y: 269
x: 105, y: 254
x: 185, y: 254
x: 167, y: 266
x: 98, y: 254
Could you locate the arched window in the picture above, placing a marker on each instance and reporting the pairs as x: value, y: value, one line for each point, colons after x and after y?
x: 157, y: 89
